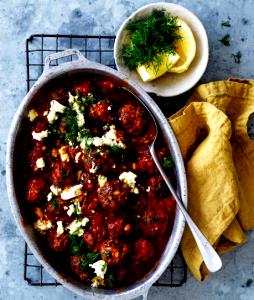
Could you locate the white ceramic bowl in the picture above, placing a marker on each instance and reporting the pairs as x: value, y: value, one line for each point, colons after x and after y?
x: 170, y: 84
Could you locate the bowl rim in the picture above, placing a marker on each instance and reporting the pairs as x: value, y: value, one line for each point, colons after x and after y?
x: 142, y: 286
x: 202, y: 33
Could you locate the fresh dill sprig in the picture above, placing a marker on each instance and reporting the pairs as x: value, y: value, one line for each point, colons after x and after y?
x: 225, y: 40
x: 150, y: 38
x: 237, y: 57
x: 226, y: 23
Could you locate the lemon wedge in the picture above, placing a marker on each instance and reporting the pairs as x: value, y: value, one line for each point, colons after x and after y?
x: 151, y: 72
x: 185, y: 48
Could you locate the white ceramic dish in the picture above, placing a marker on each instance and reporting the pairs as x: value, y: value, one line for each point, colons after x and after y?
x: 170, y: 84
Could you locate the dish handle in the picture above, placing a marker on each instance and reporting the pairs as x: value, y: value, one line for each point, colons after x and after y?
x: 65, y: 53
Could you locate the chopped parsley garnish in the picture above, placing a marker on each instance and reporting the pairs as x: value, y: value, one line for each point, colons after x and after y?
x: 111, y: 279
x: 74, y: 133
x: 150, y: 37
x: 89, y: 258
x: 225, y: 40
x: 77, y: 245
x: 167, y: 162
x: 226, y: 23
x: 55, y: 203
x: 237, y: 57
x: 116, y: 148
x: 86, y: 100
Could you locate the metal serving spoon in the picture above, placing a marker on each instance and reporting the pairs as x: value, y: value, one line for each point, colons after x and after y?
x: 210, y: 256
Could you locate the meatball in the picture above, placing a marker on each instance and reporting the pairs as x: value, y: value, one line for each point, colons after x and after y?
x: 131, y: 118
x: 106, y: 86
x: 113, y: 252
x: 158, y: 186
x: 54, y: 212
x: 96, y: 233
x: 62, y: 173
x: 58, y: 94
x: 117, y: 226
x: 113, y: 194
x: 36, y: 189
x: 75, y: 262
x: 101, y: 111
x: 146, y: 164
x: 154, y: 222
x: 102, y: 161
x: 88, y: 181
x: 146, y: 138
x: 143, y: 250
x: 58, y: 243
x: 37, y: 152
x: 169, y: 205
x: 83, y: 87
x: 90, y: 205
x: 40, y: 125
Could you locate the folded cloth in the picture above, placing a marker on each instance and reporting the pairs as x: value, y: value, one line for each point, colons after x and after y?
x: 219, y: 158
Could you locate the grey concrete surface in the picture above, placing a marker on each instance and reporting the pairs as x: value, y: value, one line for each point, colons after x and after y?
x: 21, y: 18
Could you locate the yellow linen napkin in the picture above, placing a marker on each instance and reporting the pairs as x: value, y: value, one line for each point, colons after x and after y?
x: 219, y: 158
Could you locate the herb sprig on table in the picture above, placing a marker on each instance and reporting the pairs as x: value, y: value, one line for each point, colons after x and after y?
x: 150, y: 37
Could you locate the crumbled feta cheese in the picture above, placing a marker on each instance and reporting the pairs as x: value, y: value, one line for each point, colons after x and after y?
x: 42, y: 225
x: 100, y: 268
x: 84, y: 221
x: 71, y: 210
x: 77, y: 156
x: 97, y: 141
x: 80, y: 115
x: 129, y: 178
x: 32, y: 115
x: 49, y: 196
x: 63, y: 153
x: 72, y: 99
x: 148, y: 189
x: 38, y: 136
x: 75, y: 227
x: 55, y: 107
x: 102, y: 180
x: 45, y: 113
x: 110, y: 138
x: 55, y: 190
x: 74, y: 208
x: 72, y: 192
x: 86, y: 142
x: 60, y: 228
x: 94, y: 168
x: 40, y: 163
x: 109, y: 108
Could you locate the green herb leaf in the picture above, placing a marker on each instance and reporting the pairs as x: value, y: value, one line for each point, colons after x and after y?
x: 225, y: 40
x: 76, y: 245
x: 116, y: 148
x: 226, y: 23
x: 167, y: 162
x: 111, y: 280
x: 88, y: 258
x: 150, y: 38
x: 237, y: 57
x: 55, y: 203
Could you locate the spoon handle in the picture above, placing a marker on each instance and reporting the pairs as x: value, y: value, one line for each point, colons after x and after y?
x: 210, y: 256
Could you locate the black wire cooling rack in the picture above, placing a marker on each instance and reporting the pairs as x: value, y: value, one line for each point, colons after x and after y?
x: 99, y: 49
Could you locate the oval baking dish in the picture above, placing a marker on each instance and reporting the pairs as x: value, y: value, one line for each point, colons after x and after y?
x: 83, y: 66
